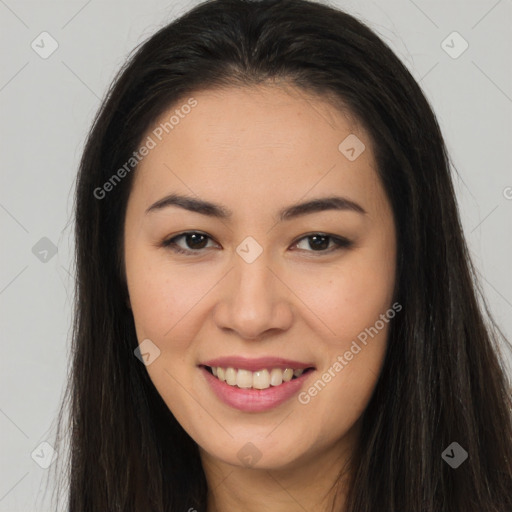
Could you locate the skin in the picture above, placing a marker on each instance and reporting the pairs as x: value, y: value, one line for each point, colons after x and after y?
x: 256, y: 150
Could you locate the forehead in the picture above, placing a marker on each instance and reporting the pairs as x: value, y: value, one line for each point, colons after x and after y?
x: 262, y: 142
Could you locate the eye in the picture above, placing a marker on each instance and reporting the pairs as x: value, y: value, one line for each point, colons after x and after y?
x: 320, y: 242
x: 197, y: 241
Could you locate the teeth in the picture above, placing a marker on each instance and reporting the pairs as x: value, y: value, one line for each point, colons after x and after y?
x: 230, y: 376
x: 287, y: 374
x: 261, y: 379
x: 243, y: 379
x: 276, y: 377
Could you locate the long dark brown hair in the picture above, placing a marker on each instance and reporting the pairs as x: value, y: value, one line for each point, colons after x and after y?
x: 442, y: 380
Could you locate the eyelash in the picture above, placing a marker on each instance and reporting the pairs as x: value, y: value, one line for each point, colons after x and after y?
x: 341, y: 243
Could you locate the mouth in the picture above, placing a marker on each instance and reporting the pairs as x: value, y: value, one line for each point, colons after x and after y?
x: 259, y: 379
x: 255, y: 385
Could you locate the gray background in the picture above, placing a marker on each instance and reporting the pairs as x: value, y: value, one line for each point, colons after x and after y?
x: 47, y: 106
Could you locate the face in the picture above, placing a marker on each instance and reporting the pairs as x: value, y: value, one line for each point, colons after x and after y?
x: 279, y: 260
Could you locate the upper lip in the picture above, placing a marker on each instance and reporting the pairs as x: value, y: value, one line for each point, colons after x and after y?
x: 254, y: 364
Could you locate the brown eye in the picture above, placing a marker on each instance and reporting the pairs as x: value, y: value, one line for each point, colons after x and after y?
x: 321, y: 242
x: 194, y: 242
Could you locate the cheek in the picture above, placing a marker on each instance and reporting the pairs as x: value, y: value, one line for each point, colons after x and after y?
x: 355, y: 301
x: 348, y: 298
x: 163, y: 298
x: 342, y: 300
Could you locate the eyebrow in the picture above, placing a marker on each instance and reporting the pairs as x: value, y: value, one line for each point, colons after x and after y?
x: 290, y: 212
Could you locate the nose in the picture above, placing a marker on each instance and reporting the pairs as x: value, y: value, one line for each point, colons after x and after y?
x: 255, y: 302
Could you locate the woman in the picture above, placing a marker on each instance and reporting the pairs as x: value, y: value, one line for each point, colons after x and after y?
x: 276, y: 308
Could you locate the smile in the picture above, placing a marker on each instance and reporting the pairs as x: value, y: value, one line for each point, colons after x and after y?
x: 255, y: 385
x: 260, y: 379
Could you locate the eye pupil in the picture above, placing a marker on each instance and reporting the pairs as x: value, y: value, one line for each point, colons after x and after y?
x: 192, y: 240
x: 195, y: 242
x: 319, y: 242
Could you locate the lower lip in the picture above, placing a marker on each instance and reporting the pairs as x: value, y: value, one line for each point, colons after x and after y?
x: 254, y: 400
